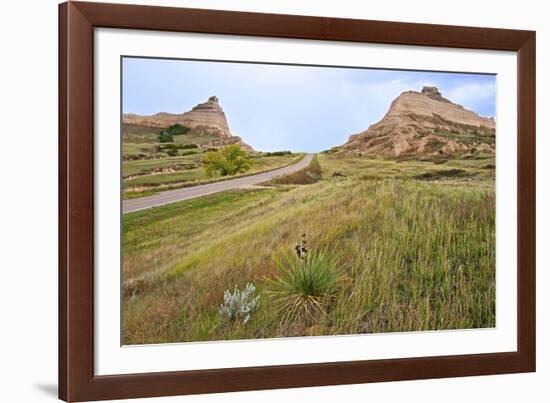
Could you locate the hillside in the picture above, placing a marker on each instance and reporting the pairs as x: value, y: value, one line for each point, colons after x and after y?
x: 206, y: 121
x: 424, y: 123
x: 414, y: 241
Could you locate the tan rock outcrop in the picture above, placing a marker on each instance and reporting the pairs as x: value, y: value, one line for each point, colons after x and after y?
x: 207, y: 117
x: 425, y: 123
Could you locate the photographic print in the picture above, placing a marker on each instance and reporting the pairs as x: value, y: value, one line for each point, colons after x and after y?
x: 270, y: 200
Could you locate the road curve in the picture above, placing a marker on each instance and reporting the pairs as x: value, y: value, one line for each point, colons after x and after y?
x: 171, y: 196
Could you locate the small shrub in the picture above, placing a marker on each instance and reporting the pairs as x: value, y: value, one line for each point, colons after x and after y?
x: 239, y: 305
x: 331, y: 150
x: 305, y: 286
x: 169, y: 146
x: 172, y: 152
x: 308, y: 175
x: 443, y: 174
x: 165, y: 137
x: 188, y: 146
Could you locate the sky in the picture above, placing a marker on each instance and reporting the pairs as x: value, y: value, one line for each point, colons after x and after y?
x: 296, y: 108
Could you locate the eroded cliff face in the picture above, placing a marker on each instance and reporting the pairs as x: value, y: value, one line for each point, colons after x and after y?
x: 207, y: 117
x: 425, y: 123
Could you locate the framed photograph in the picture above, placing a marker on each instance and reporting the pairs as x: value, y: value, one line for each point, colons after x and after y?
x: 256, y: 201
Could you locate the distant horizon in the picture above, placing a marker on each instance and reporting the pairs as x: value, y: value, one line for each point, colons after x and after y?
x: 297, y: 108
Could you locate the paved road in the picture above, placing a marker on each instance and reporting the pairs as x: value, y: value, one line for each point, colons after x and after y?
x: 171, y: 196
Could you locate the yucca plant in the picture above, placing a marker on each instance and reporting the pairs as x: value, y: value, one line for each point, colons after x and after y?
x: 305, y: 285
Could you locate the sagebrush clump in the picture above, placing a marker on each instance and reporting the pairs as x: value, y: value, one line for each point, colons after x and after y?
x: 239, y: 305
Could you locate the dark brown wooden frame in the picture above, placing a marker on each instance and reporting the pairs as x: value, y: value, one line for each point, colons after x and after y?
x: 77, y: 21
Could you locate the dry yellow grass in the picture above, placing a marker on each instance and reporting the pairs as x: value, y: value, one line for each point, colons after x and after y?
x: 415, y: 254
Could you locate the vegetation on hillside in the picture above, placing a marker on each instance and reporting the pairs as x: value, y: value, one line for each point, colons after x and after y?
x: 305, y: 284
x: 393, y: 231
x: 308, y: 175
x: 228, y: 161
x: 276, y: 153
x: 167, y: 135
x: 390, y: 250
x: 149, y: 175
x: 239, y: 305
x: 150, y: 166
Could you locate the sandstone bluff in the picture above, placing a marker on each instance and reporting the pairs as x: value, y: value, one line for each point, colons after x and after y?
x: 207, y: 117
x: 424, y: 123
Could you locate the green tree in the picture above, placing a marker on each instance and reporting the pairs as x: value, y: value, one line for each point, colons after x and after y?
x: 176, y: 129
x: 229, y: 160
x: 165, y: 137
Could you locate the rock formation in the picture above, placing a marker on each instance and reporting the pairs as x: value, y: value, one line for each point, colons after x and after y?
x: 425, y: 123
x: 205, y: 118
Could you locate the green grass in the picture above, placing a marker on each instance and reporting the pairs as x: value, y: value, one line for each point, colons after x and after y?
x: 138, y: 148
x: 145, y: 134
x: 173, y: 172
x: 136, y: 195
x: 139, y: 134
x: 467, y: 139
x: 147, y: 166
x: 185, y: 175
x: 411, y: 254
x: 150, y: 166
x: 197, y: 138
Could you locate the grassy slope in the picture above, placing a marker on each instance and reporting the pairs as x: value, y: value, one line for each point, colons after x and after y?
x: 417, y: 254
x: 306, y: 176
x: 194, y: 174
x: 149, y: 135
x: 144, y: 176
x: 147, y: 166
